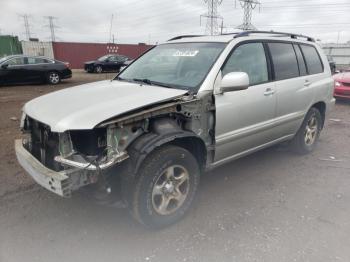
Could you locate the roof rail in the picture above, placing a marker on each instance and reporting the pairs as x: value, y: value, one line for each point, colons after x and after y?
x: 183, y: 36
x: 294, y: 36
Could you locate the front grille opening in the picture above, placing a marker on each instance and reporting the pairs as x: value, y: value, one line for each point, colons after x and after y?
x: 44, y: 144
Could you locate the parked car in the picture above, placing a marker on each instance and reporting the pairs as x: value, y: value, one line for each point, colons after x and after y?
x: 107, y: 63
x: 17, y: 69
x: 184, y: 107
x: 342, y: 85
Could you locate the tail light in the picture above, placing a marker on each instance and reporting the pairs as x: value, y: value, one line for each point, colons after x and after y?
x: 67, y: 64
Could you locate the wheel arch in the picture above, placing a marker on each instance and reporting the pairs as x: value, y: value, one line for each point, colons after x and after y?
x: 321, y: 107
x: 165, y: 132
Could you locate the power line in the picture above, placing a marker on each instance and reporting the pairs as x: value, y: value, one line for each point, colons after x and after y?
x: 212, y: 16
x: 248, y: 6
x: 52, y: 27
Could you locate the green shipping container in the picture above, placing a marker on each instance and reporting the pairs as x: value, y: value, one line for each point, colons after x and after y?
x: 10, y: 45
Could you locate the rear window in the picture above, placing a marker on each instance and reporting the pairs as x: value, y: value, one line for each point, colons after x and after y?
x: 313, y: 61
x: 284, y: 60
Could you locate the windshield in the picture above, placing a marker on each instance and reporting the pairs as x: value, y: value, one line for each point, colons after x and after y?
x: 181, y: 65
x: 103, y: 58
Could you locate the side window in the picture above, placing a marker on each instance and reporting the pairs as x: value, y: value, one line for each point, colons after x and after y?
x: 301, y: 62
x: 313, y: 61
x: 284, y: 60
x: 16, y: 61
x: 34, y: 60
x: 249, y: 58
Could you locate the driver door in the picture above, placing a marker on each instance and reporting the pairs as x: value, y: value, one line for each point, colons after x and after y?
x: 244, y: 119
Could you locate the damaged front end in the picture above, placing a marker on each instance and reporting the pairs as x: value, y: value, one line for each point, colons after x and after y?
x: 72, y: 159
x: 65, y: 162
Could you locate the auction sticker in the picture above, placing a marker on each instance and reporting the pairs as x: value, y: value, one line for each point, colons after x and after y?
x: 186, y: 53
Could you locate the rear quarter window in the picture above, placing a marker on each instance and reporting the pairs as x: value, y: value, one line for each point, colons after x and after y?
x: 284, y: 61
x: 312, y: 59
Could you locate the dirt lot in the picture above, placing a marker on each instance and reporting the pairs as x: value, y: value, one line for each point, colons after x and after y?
x: 270, y: 206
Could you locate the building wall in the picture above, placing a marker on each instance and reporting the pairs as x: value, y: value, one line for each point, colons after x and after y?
x: 78, y: 53
x: 340, y: 54
x: 33, y: 48
x: 9, y: 45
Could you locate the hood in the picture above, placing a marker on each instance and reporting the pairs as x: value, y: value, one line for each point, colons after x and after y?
x: 90, y: 62
x: 85, y: 106
x: 342, y: 77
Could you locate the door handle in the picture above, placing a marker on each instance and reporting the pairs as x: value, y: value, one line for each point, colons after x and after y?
x: 307, y: 83
x: 269, y: 92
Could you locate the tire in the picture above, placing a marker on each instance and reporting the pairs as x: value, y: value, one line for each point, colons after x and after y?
x: 53, y: 78
x: 165, y: 187
x: 307, y: 136
x: 98, y: 69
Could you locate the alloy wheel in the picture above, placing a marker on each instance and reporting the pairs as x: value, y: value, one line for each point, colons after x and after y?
x: 170, y: 190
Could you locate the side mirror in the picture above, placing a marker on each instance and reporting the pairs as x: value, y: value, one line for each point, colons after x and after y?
x: 4, y: 66
x: 234, y: 81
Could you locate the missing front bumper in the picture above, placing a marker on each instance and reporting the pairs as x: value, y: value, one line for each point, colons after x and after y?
x: 56, y: 182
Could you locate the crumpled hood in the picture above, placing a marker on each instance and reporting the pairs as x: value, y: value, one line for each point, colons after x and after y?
x: 85, y: 106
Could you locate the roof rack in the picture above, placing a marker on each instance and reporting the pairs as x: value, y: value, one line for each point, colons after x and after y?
x: 294, y: 36
x: 183, y: 36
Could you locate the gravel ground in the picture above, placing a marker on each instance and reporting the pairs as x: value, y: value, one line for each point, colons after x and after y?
x: 270, y: 206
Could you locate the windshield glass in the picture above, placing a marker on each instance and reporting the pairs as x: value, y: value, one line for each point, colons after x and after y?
x: 180, y: 65
x: 103, y: 58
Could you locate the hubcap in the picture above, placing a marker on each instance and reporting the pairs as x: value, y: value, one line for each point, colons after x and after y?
x: 311, y: 131
x: 170, y: 190
x: 54, y: 78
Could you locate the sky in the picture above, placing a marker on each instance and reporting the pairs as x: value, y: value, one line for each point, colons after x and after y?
x: 152, y: 21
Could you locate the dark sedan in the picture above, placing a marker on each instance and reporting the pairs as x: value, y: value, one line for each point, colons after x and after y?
x: 107, y: 63
x: 30, y: 69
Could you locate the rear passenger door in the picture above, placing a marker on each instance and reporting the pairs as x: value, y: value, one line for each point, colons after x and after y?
x: 245, y: 119
x: 292, y: 86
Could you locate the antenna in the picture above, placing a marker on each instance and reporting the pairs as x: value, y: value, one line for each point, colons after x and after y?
x: 248, y: 6
x: 212, y: 16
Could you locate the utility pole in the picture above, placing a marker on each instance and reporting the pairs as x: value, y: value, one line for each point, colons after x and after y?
x: 52, y: 27
x: 248, y: 6
x: 26, y: 25
x: 212, y: 16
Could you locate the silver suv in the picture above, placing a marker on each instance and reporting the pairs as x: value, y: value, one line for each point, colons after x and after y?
x: 184, y: 107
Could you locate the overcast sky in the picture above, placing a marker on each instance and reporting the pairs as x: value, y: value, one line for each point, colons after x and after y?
x: 158, y: 20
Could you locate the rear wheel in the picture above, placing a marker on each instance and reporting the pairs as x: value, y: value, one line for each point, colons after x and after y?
x: 306, y: 138
x: 165, y: 187
x: 53, y: 78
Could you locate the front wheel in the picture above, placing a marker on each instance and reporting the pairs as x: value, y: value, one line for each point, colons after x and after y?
x: 98, y: 69
x: 306, y: 138
x: 53, y: 78
x: 165, y: 188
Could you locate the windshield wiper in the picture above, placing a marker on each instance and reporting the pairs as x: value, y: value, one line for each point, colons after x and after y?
x: 143, y: 80
x: 151, y: 82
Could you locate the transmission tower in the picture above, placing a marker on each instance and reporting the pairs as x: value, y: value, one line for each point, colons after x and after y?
x: 52, y: 27
x: 248, y: 6
x: 26, y: 26
x: 212, y: 16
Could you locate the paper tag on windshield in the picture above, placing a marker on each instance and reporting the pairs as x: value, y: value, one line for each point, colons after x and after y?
x: 186, y: 53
